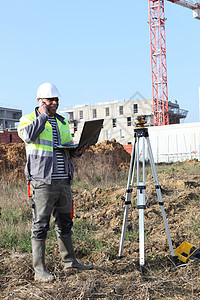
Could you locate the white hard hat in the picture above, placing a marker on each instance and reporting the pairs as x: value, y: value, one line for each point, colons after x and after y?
x: 47, y: 90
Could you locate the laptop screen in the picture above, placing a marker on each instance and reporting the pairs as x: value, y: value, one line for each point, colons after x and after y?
x: 89, y: 135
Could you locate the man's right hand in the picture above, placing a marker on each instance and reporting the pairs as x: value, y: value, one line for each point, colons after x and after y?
x: 43, y: 108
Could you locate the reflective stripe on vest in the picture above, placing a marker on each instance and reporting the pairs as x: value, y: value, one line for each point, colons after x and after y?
x: 39, y: 152
x: 43, y: 142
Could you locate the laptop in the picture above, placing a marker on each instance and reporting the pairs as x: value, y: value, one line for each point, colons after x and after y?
x: 89, y: 135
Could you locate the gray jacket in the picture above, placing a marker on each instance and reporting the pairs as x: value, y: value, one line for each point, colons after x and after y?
x: 35, y: 130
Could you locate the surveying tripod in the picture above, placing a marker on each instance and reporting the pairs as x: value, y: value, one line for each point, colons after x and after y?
x: 141, y: 132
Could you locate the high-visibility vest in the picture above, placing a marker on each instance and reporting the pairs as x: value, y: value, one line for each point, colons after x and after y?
x: 43, y: 144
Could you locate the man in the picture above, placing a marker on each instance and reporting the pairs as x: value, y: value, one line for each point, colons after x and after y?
x: 49, y: 171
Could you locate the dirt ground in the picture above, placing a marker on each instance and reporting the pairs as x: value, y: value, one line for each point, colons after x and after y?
x: 102, y: 210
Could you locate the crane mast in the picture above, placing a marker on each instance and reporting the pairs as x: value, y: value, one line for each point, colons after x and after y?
x: 158, y: 62
x: 158, y: 56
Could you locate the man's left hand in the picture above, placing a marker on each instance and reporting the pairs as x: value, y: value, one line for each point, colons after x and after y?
x: 81, y: 151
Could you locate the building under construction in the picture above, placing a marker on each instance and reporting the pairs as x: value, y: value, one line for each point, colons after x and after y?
x: 9, y: 117
x: 119, y: 117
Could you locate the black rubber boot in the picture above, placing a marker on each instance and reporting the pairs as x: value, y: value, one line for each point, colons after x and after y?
x: 68, y: 255
x: 38, y: 250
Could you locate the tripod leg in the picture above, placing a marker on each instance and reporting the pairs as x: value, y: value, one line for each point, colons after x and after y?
x: 128, y: 198
x: 160, y: 200
x: 141, y: 206
x: 121, y: 247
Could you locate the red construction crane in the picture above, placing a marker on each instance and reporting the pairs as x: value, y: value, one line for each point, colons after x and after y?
x: 158, y: 56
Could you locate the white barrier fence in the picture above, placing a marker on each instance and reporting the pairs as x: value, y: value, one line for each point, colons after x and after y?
x: 175, y: 142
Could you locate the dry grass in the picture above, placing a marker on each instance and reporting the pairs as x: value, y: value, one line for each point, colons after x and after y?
x: 97, y: 228
x: 110, y: 280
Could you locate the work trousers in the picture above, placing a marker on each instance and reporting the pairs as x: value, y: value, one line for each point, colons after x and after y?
x: 55, y: 199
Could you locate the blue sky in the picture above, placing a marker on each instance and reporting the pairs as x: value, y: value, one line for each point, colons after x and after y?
x: 93, y: 51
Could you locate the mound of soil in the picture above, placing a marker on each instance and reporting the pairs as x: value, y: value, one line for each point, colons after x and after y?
x: 12, y: 160
x: 105, y: 155
x: 114, y: 153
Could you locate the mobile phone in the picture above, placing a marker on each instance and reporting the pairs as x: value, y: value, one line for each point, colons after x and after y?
x: 40, y: 102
